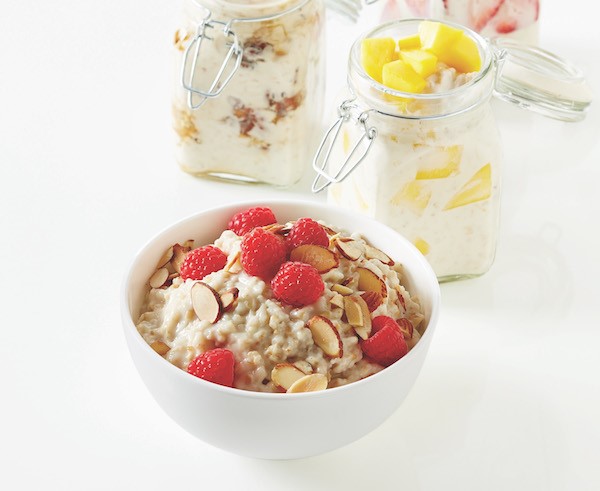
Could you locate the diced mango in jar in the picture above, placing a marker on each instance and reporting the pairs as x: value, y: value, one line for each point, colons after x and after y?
x: 413, y: 196
x: 410, y: 42
x: 478, y: 188
x: 375, y: 53
x: 422, y: 245
x: 452, y: 46
x: 437, y: 37
x: 440, y: 162
x: 423, y: 62
x: 463, y: 55
x: 399, y: 75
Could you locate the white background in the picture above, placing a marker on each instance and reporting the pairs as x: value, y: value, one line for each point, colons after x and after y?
x: 509, y: 397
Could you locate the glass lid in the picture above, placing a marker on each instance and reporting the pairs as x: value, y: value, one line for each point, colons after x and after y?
x: 535, y: 79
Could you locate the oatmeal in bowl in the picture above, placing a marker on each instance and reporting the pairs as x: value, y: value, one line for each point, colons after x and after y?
x: 253, y: 309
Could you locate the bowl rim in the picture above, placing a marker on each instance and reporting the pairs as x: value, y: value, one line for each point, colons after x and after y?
x: 130, y: 327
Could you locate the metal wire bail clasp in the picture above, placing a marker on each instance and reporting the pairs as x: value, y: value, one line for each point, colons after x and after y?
x: 347, y: 111
x: 191, y: 62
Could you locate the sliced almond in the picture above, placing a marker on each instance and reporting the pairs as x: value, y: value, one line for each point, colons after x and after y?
x: 354, y: 314
x: 273, y: 227
x: 161, y: 348
x: 206, y: 302
x: 188, y: 244
x: 372, y: 299
x: 309, y: 383
x: 406, y: 327
x: 233, y: 264
x: 229, y: 297
x: 342, y: 289
x: 370, y: 282
x: 159, y: 278
x: 179, y: 253
x: 349, y: 249
x: 401, y: 300
x: 337, y: 300
x: 321, y: 258
x: 285, y: 374
x: 414, y: 340
x: 365, y: 331
x: 165, y: 258
x: 326, y: 336
x: 358, y: 316
x: 374, y: 253
x: 329, y: 230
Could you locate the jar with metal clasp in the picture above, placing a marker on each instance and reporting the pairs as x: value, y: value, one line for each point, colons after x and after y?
x: 249, y: 89
x: 429, y: 164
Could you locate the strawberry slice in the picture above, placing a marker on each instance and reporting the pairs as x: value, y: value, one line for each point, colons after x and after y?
x: 513, y: 15
x: 481, y: 12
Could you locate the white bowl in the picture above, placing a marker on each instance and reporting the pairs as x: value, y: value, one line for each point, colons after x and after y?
x: 278, y: 426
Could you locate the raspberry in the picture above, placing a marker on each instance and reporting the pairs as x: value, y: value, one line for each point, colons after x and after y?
x: 262, y: 253
x: 201, y: 262
x: 307, y: 231
x: 214, y: 366
x: 244, y: 221
x: 386, y: 344
x: 297, y: 284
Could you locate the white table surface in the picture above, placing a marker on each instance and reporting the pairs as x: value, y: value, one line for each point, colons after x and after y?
x: 509, y: 397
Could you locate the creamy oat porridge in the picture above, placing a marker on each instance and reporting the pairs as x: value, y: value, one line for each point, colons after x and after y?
x: 290, y: 307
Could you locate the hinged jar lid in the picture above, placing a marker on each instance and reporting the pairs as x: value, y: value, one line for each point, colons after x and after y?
x: 535, y: 79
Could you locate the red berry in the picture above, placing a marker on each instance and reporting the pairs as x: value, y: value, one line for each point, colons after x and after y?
x: 307, y: 231
x: 202, y: 261
x: 262, y: 253
x: 244, y: 221
x: 297, y: 284
x: 215, y: 366
x: 386, y: 344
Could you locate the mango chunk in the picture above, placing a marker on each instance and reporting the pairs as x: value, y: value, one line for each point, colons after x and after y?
x: 413, y: 196
x: 423, y: 62
x: 440, y: 162
x: 410, y: 42
x: 478, y: 188
x: 437, y: 37
x: 399, y: 75
x: 375, y: 53
x: 422, y: 245
x: 463, y: 55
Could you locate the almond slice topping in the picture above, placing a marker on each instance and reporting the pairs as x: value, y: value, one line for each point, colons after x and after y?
x: 337, y: 300
x: 406, y: 327
x: 321, y: 258
x: 229, y: 297
x: 161, y: 348
x: 179, y: 253
x: 342, y: 289
x: 285, y: 374
x: 309, y: 383
x: 234, y: 265
x: 165, y: 258
x: 370, y: 282
x: 372, y: 299
x: 206, y: 302
x: 358, y: 316
x: 374, y: 253
x: 159, y: 278
x: 349, y: 249
x: 326, y: 336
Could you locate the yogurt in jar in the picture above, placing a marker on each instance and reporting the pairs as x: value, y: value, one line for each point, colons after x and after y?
x: 262, y: 126
x: 428, y: 157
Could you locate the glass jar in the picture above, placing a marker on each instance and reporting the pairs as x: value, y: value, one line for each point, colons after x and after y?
x: 249, y: 90
x: 517, y: 19
x: 428, y: 164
